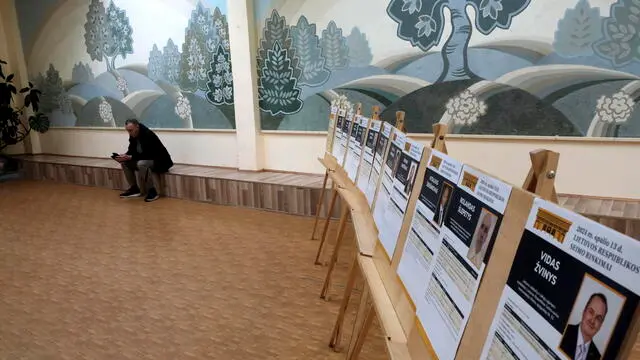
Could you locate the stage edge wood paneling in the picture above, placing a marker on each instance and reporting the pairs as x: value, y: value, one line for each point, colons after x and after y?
x: 295, y: 194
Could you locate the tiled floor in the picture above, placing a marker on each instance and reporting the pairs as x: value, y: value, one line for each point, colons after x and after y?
x: 86, y: 275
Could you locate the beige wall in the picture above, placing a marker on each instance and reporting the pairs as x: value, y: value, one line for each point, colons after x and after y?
x: 186, y: 147
x: 590, y: 167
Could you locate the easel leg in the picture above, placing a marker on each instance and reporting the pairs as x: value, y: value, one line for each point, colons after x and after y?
x: 320, y: 202
x: 336, y: 336
x: 336, y: 250
x: 365, y: 313
x: 332, y: 204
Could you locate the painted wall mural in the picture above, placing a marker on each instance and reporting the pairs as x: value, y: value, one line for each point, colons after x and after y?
x: 494, y: 67
x: 167, y: 63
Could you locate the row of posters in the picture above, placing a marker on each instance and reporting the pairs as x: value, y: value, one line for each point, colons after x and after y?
x: 453, y: 228
x: 356, y: 141
x: 571, y: 293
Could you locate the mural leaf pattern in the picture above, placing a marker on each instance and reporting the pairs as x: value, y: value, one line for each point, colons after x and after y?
x: 422, y: 24
x: 307, y: 45
x: 334, y: 47
x: 621, y: 40
x: 578, y: 30
x: 491, y: 14
x: 171, y: 63
x: 278, y: 92
x: 359, y: 51
x: 95, y: 34
x: 277, y: 30
x: 220, y: 85
x: 120, y: 39
x: 155, y: 68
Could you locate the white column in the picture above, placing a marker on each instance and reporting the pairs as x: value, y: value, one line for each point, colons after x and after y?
x: 242, y: 36
x: 11, y: 51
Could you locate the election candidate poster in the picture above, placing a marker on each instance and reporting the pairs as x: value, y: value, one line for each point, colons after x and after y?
x: 368, y: 154
x: 571, y: 293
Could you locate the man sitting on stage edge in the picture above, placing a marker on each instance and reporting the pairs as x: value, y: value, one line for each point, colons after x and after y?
x: 577, y: 341
x: 148, y: 156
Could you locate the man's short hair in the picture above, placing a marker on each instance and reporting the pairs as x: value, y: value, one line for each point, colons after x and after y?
x: 132, y: 122
x: 601, y: 297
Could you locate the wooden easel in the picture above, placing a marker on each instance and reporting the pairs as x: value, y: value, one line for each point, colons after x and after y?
x: 334, y: 197
x: 542, y: 174
x: 366, y: 311
x: 330, y: 140
x: 341, y: 229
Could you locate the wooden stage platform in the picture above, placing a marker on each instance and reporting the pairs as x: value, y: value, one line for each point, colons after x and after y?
x: 295, y: 194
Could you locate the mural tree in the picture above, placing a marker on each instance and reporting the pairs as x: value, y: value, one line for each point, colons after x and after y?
x: 578, y: 30
x: 359, y: 51
x: 195, y: 57
x: 620, y: 40
x: 220, y: 85
x: 108, y: 34
x: 312, y: 62
x: 421, y: 22
x: 155, y: 68
x: 277, y: 30
x: 53, y: 94
x: 171, y: 63
x: 81, y: 73
x: 334, y: 47
x: 278, y: 69
x: 278, y: 90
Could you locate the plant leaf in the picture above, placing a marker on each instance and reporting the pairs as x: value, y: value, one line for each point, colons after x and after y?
x: 39, y: 122
x: 3, y: 62
x: 12, y: 89
x: 24, y: 90
x: 10, y: 77
x: 27, y: 100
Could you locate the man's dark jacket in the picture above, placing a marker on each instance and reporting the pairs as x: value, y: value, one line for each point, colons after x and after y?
x: 152, y: 149
x: 570, y: 340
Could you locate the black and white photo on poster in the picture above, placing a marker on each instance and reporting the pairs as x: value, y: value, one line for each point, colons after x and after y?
x: 339, y: 134
x: 571, y: 293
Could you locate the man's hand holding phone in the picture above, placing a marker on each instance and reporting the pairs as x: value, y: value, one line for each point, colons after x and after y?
x: 120, y: 157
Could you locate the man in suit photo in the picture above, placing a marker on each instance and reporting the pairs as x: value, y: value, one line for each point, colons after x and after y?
x: 438, y: 217
x: 577, y: 342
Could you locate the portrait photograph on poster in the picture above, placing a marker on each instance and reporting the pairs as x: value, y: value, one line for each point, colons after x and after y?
x: 423, y: 239
x: 571, y: 294
x: 411, y: 178
x: 481, y: 236
x: 443, y: 203
x: 469, y: 230
x: 593, y: 318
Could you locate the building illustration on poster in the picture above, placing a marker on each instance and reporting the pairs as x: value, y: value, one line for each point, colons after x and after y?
x: 553, y: 224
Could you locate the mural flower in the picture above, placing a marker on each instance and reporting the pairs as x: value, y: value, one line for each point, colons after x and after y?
x: 465, y: 109
x: 122, y: 84
x: 183, y: 110
x: 614, y: 109
x: 426, y: 26
x: 105, y: 112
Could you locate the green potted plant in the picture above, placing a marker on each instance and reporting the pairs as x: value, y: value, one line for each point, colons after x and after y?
x: 13, y: 129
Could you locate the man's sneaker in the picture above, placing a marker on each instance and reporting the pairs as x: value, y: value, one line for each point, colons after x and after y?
x: 132, y: 192
x: 152, y: 195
